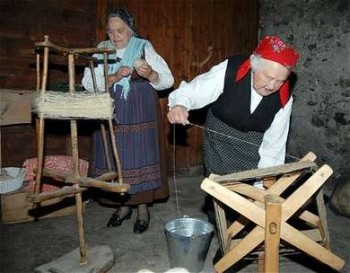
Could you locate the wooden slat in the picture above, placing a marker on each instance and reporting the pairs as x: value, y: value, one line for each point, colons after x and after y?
x: 245, y: 246
x: 65, y: 50
x: 272, y: 234
x: 307, y: 245
x: 313, y: 234
x: 66, y: 191
x: 252, y: 192
x: 87, y: 181
x: 221, y: 224
x: 265, y: 172
x: 304, y: 193
x: 235, y: 201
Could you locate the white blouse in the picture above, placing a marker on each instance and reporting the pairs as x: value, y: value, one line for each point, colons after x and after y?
x: 206, y: 88
x: 166, y: 79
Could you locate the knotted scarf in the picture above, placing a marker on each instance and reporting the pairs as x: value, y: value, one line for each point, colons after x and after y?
x: 274, y: 49
x: 133, y: 51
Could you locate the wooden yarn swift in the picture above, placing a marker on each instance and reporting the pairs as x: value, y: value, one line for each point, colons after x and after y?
x: 269, y: 212
x: 74, y: 183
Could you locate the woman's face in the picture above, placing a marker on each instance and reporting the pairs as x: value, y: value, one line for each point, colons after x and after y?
x: 269, y: 77
x: 118, y: 32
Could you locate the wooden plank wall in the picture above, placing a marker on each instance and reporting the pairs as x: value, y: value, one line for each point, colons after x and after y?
x: 69, y: 23
x: 192, y: 36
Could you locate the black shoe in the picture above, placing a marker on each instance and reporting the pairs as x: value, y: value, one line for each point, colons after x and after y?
x: 140, y: 226
x: 116, y: 220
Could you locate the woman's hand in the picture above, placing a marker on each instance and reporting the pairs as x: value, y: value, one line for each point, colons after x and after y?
x: 146, y: 71
x: 123, y: 71
x: 178, y: 114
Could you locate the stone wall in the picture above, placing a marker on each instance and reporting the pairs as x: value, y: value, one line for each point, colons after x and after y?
x: 320, y: 31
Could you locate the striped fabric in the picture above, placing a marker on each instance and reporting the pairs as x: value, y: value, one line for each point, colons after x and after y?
x: 137, y: 138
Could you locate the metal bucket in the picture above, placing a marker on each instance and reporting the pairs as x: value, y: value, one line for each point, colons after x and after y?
x: 188, y: 242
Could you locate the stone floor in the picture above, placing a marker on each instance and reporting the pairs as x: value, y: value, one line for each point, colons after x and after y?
x: 25, y: 246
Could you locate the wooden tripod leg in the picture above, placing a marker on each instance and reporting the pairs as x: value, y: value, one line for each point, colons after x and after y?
x: 115, y: 152
x: 261, y: 262
x: 103, y: 129
x: 40, y: 124
x: 73, y: 123
x: 272, y: 234
x: 322, y: 224
x: 246, y: 245
x: 105, y: 147
x: 221, y: 224
x: 37, y: 72
x: 75, y: 156
x: 80, y: 223
x: 40, y: 121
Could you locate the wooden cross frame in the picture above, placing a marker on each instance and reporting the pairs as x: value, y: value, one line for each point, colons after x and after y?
x: 74, y: 183
x: 270, y: 212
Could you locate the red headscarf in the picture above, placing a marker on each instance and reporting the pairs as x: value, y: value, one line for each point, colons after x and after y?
x: 274, y: 49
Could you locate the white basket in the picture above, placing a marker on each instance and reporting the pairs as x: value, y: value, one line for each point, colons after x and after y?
x: 14, y: 182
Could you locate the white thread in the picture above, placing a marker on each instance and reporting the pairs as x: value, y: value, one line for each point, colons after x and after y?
x: 213, y: 131
x: 174, y: 173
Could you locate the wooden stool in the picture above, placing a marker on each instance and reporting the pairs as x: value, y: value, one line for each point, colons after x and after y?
x: 270, y: 212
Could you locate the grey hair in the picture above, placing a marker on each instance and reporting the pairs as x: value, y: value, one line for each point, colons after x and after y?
x: 257, y: 62
x: 124, y: 15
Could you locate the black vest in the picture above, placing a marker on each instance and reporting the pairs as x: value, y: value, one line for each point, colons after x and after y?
x: 233, y: 105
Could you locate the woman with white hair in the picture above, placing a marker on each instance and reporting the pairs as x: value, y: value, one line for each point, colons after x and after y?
x: 135, y: 72
x: 248, y: 119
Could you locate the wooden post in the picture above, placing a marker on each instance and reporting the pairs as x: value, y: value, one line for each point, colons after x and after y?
x: 221, y: 222
x: 261, y: 262
x: 40, y: 123
x: 37, y: 71
x: 115, y: 152
x: 80, y: 221
x: 272, y: 234
x: 322, y: 224
x: 103, y: 129
x: 75, y: 157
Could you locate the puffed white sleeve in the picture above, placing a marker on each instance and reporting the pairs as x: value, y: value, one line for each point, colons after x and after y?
x: 166, y: 79
x: 202, y: 90
x: 272, y: 151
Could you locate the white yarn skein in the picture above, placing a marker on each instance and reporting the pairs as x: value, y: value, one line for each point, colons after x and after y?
x: 138, y: 63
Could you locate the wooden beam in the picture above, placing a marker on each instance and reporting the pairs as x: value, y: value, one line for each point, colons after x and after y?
x: 272, y: 233
x: 65, y: 50
x: 63, y: 192
x: 265, y: 172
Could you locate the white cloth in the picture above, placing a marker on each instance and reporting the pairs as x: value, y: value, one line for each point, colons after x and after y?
x: 206, y: 88
x: 166, y: 79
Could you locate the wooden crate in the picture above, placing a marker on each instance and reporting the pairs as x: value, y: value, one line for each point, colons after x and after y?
x: 15, y: 208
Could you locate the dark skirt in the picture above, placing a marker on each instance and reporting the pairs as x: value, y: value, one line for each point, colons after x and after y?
x: 138, y: 139
x: 227, y: 150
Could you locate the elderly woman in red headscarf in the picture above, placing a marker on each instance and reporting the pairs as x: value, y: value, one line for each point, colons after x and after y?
x: 248, y: 120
